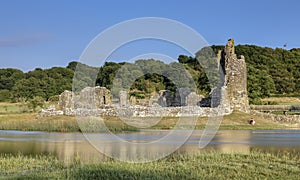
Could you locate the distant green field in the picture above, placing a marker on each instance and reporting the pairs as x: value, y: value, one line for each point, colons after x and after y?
x: 282, y: 100
x: 11, y: 107
x: 286, y: 95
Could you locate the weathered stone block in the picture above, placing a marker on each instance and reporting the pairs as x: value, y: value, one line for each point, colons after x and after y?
x: 66, y: 100
x: 123, y: 98
x: 193, y: 99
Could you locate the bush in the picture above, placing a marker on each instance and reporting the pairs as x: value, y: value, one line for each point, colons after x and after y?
x: 53, y: 98
x: 34, y: 103
x: 255, y: 101
x: 5, y: 95
x: 270, y: 103
x: 138, y: 95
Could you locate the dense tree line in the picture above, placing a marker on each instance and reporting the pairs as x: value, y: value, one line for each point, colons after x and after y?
x: 15, y: 84
x: 270, y: 71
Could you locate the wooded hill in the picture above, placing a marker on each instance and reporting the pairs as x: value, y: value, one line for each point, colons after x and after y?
x: 270, y: 71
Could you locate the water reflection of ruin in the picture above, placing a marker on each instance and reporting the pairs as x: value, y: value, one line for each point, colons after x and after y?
x: 71, y: 146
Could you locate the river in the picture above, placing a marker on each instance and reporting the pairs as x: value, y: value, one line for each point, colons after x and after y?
x: 68, y: 146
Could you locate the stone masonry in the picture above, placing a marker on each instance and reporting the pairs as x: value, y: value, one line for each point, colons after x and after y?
x: 89, y: 98
x: 231, y: 94
x: 66, y: 100
x: 235, y: 83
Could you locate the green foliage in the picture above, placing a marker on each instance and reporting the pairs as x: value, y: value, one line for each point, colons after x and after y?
x: 282, y: 66
x: 137, y: 94
x: 107, y: 74
x: 196, y: 70
x: 270, y: 71
x: 8, y: 77
x: 260, y: 84
x: 84, y: 76
x: 35, y: 102
x: 72, y: 65
x: 43, y: 83
x: 54, y: 98
x: 5, y: 95
x: 29, y: 88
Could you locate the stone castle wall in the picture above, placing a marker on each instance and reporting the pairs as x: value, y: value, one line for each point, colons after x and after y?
x: 235, y: 78
x: 144, y: 111
x: 285, y: 119
x: 233, y: 94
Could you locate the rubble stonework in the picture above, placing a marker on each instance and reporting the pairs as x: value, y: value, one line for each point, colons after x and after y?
x: 180, y: 97
x: 50, y: 111
x: 123, y: 100
x: 89, y: 98
x: 92, y: 97
x: 66, y: 100
x: 153, y: 99
x: 102, y: 96
x: 235, y: 83
x: 166, y: 99
x: 193, y: 99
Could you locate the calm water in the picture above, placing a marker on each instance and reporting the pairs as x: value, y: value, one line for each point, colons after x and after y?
x: 67, y: 146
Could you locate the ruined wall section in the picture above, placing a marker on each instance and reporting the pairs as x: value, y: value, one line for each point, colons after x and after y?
x: 230, y: 94
x: 235, y: 83
x: 88, y: 98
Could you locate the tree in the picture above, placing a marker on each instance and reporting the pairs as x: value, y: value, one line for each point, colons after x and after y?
x: 5, y: 95
x: 107, y: 74
x: 35, y: 102
x: 72, y: 65
x: 9, y: 76
x: 281, y: 65
x: 29, y: 88
x: 38, y: 73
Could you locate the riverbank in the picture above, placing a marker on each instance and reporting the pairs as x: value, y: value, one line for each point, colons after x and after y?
x: 29, y: 122
x: 256, y: 165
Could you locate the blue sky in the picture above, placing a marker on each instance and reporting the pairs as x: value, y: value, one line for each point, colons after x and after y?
x: 49, y: 33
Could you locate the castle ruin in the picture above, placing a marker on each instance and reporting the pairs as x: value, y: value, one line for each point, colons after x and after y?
x: 231, y: 94
x: 235, y: 82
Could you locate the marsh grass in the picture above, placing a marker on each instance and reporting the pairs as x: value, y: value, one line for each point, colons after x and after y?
x: 30, y: 167
x: 255, y: 165
x: 102, y: 124
x: 12, y: 118
x: 29, y: 122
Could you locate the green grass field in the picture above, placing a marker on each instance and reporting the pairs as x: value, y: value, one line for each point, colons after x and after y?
x: 256, y: 165
x: 8, y: 108
x: 283, y: 100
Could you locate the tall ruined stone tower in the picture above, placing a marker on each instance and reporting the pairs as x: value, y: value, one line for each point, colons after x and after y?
x: 235, y: 82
